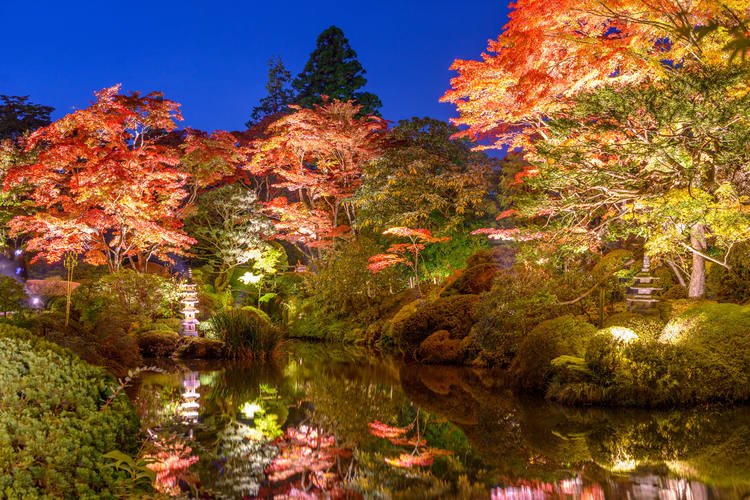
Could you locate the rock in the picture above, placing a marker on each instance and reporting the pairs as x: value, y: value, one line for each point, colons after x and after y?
x: 199, y: 347
x: 157, y: 343
x: 440, y: 348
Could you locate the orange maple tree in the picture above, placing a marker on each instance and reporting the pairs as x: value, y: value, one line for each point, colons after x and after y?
x: 317, y: 155
x: 108, y: 183
x: 552, y: 51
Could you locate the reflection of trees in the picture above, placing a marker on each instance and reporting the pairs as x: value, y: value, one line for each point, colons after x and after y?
x: 536, y: 439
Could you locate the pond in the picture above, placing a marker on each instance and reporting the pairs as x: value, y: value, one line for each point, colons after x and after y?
x: 334, y: 422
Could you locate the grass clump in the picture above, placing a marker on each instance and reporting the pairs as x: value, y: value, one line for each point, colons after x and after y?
x: 245, y: 333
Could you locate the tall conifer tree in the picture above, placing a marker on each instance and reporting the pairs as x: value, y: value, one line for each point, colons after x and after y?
x: 334, y: 71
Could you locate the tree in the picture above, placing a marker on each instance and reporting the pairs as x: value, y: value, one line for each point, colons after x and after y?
x: 551, y: 52
x: 318, y: 155
x: 105, y: 186
x: 229, y: 230
x: 334, y: 71
x: 279, y: 94
x: 632, y: 75
x: 404, y: 253
x: 18, y: 115
x: 424, y: 178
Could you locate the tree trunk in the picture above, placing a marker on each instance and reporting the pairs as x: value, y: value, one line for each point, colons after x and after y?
x: 697, y: 287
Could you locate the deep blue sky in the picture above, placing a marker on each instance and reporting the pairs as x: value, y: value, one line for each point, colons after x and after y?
x: 211, y: 56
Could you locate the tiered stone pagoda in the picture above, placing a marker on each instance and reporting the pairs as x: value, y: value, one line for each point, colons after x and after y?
x: 189, y: 405
x: 640, y: 295
x: 189, y: 324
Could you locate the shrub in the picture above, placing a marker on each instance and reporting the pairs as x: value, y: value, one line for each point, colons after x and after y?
x: 531, y: 367
x: 521, y: 298
x: 128, y: 295
x: 644, y: 327
x: 54, y: 427
x: 245, y: 333
x: 105, y: 343
x: 732, y: 284
x: 454, y: 314
x: 12, y: 295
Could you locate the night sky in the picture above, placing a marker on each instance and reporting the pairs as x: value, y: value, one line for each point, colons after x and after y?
x: 211, y: 56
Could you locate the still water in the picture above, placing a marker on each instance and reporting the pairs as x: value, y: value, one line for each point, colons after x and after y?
x: 335, y: 422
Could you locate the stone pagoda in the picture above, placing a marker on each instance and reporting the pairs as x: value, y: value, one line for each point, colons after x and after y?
x: 189, y: 324
x: 640, y: 295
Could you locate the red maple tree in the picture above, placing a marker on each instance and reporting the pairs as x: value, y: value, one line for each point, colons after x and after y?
x: 108, y: 184
x: 317, y: 155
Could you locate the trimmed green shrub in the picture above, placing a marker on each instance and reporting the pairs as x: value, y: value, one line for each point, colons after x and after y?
x: 454, y: 314
x: 566, y: 335
x: 54, y: 426
x: 645, y: 327
x: 245, y: 333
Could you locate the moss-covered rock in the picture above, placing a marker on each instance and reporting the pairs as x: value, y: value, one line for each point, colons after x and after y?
x: 200, y: 348
x: 531, y: 368
x: 440, y: 348
x: 673, y: 308
x: 454, y: 314
x: 158, y: 343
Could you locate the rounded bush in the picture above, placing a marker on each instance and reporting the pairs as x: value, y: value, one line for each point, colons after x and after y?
x: 55, y: 423
x: 454, y: 314
x: 644, y: 327
x: 552, y: 338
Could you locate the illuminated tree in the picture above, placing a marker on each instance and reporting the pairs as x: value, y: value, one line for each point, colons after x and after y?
x: 629, y: 112
x: 105, y: 186
x: 404, y: 253
x: 229, y: 230
x: 424, y: 178
x: 317, y: 155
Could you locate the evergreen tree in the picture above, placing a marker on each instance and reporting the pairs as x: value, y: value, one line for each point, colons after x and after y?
x: 334, y: 71
x: 279, y: 93
x: 18, y: 115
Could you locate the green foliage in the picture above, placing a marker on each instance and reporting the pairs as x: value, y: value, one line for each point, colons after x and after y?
x: 107, y: 342
x: 566, y: 335
x: 279, y: 93
x: 521, y: 298
x: 454, y: 314
x: 732, y: 284
x: 344, y: 288
x: 645, y: 327
x: 126, y: 295
x: 441, y: 260
x: 54, y: 427
x: 12, y: 295
x: 246, y: 334
x: 334, y: 71
x: 425, y: 179
x: 141, y: 478
x: 229, y: 229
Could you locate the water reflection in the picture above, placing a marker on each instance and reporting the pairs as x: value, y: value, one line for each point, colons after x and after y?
x: 335, y: 422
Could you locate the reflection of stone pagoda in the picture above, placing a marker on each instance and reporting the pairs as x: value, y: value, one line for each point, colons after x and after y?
x: 640, y: 295
x: 189, y: 406
x: 189, y: 299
